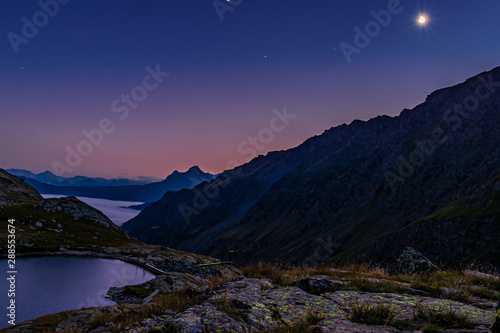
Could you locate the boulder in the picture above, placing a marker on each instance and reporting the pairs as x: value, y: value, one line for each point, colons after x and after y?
x: 145, y: 292
x: 413, y: 262
x: 318, y: 285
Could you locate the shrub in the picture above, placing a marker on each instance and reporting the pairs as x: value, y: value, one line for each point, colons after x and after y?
x: 176, y: 302
x: 443, y: 318
x: 381, y: 314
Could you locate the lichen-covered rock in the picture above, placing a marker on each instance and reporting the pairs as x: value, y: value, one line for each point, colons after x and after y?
x: 258, y: 305
x: 496, y: 324
x: 261, y: 304
x: 413, y: 262
x: 318, y: 285
x: 405, y: 304
x: 204, y: 318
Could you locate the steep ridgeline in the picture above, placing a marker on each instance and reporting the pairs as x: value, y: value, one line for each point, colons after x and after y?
x: 145, y: 193
x: 428, y: 178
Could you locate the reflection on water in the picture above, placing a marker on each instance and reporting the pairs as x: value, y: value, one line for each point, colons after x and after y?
x: 48, y: 285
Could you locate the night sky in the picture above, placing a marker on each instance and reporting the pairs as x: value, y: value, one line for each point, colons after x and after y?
x: 225, y: 77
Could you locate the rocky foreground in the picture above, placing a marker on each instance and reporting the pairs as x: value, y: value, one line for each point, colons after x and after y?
x: 268, y: 299
x: 196, y: 293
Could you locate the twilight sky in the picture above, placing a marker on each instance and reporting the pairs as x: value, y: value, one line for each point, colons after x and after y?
x: 225, y: 77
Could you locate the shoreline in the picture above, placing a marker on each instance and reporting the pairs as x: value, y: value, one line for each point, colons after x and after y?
x: 90, y: 254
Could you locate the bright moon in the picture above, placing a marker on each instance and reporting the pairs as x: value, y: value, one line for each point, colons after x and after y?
x: 422, y: 19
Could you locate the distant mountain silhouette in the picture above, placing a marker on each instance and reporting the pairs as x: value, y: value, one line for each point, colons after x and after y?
x: 48, y: 177
x: 428, y: 178
x: 145, y: 193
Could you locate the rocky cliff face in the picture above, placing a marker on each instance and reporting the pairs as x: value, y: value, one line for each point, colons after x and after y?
x: 427, y: 178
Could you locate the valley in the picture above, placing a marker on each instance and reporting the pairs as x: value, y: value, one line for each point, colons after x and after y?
x: 388, y: 225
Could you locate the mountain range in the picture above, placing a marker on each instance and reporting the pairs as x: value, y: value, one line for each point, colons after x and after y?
x: 144, y: 193
x: 48, y: 177
x: 428, y: 178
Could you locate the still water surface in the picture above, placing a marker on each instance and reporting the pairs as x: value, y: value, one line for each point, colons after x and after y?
x: 48, y: 285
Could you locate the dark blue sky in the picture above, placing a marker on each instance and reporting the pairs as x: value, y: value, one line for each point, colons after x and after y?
x: 225, y: 76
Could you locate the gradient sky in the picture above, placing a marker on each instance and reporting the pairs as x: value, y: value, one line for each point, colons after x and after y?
x: 225, y: 76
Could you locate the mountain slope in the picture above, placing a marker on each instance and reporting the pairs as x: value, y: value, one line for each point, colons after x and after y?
x: 145, y: 193
x: 13, y: 189
x: 47, y: 225
x: 364, y: 189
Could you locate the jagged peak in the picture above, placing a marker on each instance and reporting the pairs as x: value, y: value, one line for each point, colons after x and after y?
x: 195, y: 169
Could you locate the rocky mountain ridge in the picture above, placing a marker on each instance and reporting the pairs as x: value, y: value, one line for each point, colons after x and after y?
x: 428, y: 177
